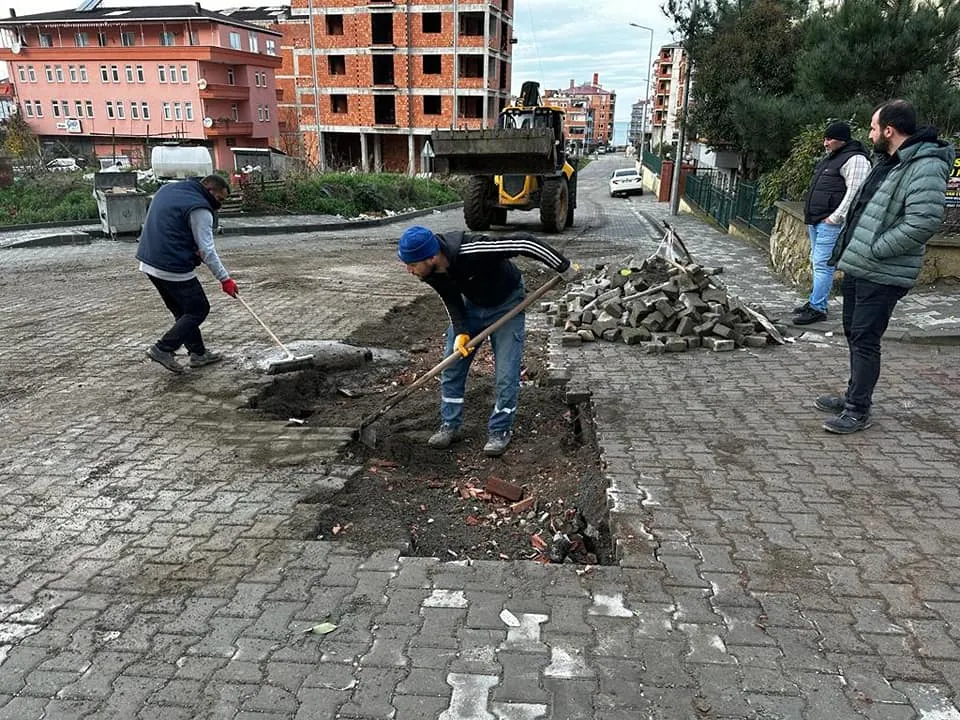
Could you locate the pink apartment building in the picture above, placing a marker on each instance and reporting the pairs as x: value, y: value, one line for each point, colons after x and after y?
x: 119, y: 80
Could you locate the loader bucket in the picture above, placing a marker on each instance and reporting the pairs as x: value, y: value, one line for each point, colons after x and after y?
x: 498, y: 151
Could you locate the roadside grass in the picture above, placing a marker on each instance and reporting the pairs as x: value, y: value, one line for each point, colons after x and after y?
x: 48, y: 197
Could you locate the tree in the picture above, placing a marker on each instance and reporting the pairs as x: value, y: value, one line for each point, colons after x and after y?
x: 20, y: 141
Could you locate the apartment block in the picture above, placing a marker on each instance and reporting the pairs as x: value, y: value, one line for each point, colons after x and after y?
x: 578, y: 120
x: 117, y: 80
x: 640, y: 118
x: 364, y: 82
x: 601, y: 101
x: 669, y: 72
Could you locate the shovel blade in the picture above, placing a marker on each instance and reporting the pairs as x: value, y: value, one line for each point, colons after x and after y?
x: 367, y: 435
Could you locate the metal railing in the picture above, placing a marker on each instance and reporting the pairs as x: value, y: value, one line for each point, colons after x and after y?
x: 651, y: 162
x: 712, y: 191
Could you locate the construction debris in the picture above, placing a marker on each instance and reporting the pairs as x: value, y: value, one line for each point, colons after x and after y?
x: 661, y: 305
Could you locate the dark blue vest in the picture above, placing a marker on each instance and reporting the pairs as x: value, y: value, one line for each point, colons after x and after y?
x: 828, y: 186
x: 166, y: 241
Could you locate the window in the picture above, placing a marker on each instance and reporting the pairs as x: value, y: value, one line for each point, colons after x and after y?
x: 256, y: 79
x: 89, y: 104
x: 110, y: 109
x: 120, y: 114
x: 59, y: 71
x: 431, y: 105
x: 231, y: 80
x: 139, y: 73
x: 271, y: 46
x: 83, y: 73
x: 177, y: 111
x: 46, y: 40
x: 28, y: 108
x: 338, y: 104
x: 235, y: 112
x: 184, y: 74
x: 115, y: 73
x: 48, y: 69
x: 128, y: 71
x: 431, y: 22
x: 266, y: 113
x: 78, y: 107
x: 334, y: 24
x: 166, y: 111
x: 32, y: 74
x: 81, y: 39
x: 102, y: 39
x: 145, y: 111
x: 431, y: 64
x: 173, y: 73
x: 162, y: 73
x: 55, y: 106
x: 104, y: 73
x: 38, y: 108
x: 22, y: 72
x: 254, y: 43
x: 235, y: 40
x: 337, y: 64
x: 72, y: 69
x: 188, y: 110
x: 193, y: 38
x: 134, y: 111
x: 65, y: 108
x: 260, y: 113
x: 168, y: 39
x: 128, y: 39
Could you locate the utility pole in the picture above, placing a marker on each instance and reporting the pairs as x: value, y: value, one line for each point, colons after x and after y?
x: 646, y: 100
x: 678, y: 160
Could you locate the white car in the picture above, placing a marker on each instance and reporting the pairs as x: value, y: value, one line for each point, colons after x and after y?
x: 626, y: 182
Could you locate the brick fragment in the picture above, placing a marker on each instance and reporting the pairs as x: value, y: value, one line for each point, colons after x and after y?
x: 503, y: 488
x: 718, y: 344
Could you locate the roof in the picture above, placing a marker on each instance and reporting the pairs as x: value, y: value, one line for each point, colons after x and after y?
x: 587, y: 90
x: 257, y: 13
x: 131, y: 13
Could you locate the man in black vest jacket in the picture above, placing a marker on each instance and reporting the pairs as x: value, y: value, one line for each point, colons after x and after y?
x: 835, y: 181
x: 177, y: 236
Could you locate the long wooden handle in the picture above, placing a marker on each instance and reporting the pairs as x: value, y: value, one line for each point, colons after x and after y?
x: 455, y: 355
x: 256, y: 317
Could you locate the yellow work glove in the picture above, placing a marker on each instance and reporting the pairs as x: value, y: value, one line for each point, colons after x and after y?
x: 573, y: 273
x: 460, y: 344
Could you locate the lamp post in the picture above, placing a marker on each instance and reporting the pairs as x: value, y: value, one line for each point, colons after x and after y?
x: 646, y: 100
x: 678, y: 160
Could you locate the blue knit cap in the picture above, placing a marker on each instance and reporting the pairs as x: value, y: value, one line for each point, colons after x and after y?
x: 417, y: 243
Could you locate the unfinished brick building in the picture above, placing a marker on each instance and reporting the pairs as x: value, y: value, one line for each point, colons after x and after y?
x: 363, y: 82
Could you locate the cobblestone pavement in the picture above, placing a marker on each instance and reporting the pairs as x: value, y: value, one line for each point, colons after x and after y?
x: 769, y: 570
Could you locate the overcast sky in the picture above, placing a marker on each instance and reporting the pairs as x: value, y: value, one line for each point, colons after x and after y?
x: 557, y: 40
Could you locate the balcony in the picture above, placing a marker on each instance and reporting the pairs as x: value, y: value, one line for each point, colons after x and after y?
x: 225, y: 92
x: 224, y: 128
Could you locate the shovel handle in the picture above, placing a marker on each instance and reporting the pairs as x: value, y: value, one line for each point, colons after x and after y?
x: 455, y: 355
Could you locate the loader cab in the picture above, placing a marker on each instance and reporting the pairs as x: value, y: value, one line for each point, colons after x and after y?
x: 539, y: 117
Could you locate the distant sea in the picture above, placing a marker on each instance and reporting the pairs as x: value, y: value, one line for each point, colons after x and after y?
x: 620, y: 130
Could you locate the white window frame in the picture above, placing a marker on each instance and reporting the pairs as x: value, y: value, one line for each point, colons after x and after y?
x: 55, y: 107
x: 104, y: 74
x: 131, y: 36
x: 178, y: 111
x: 172, y: 74
x: 110, y: 113
x: 89, y: 104
x: 167, y: 114
x: 270, y: 46
x: 231, y: 76
x: 22, y: 73
x: 161, y: 73
x: 134, y: 110
x: 28, y: 108
x: 78, y: 106
x: 65, y: 108
x: 81, y: 39
x: 139, y: 73
x: 145, y: 110
x: 48, y: 72
x: 128, y: 73
x: 103, y: 39
x: 38, y: 108
x: 45, y: 40
x: 115, y: 73
x: 31, y: 73
x: 165, y: 36
x: 260, y: 113
x: 83, y: 73
x: 233, y: 41
x: 58, y: 71
x: 266, y: 113
x: 235, y: 112
x: 193, y: 37
x: 253, y: 42
x: 188, y: 110
x: 72, y: 69
x: 121, y: 113
x: 184, y: 74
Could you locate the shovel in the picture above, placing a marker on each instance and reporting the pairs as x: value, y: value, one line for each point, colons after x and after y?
x: 366, y: 434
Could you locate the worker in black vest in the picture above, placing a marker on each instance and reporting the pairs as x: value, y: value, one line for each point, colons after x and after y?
x: 835, y: 181
x: 177, y: 236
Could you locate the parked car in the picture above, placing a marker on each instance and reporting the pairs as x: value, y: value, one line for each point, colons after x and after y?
x: 65, y: 164
x: 626, y: 182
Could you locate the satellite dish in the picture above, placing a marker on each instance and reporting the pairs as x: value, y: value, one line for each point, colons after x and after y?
x: 202, y: 83
x: 15, y: 46
x: 208, y: 122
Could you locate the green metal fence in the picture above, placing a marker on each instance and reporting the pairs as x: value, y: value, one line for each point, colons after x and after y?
x: 651, y: 162
x: 711, y: 191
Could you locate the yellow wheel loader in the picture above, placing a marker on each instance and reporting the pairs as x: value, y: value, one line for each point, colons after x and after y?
x: 519, y: 165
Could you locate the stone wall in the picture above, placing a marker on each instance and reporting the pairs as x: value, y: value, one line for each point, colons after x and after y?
x: 790, y: 250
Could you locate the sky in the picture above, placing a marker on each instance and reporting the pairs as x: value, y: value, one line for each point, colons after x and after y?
x: 557, y: 40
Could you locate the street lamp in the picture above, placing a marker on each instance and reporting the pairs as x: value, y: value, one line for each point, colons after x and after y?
x: 646, y: 100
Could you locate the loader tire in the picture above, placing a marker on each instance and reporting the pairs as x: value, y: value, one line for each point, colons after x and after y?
x: 554, y: 204
x: 477, y: 213
x: 499, y: 216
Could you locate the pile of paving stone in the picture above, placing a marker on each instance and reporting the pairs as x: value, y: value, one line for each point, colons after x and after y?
x: 661, y: 306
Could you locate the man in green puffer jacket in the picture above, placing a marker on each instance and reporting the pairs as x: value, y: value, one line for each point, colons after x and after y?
x: 880, y: 249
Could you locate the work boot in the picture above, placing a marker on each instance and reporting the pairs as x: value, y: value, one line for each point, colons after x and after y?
x: 809, y: 316
x: 831, y: 403
x: 446, y: 436
x: 847, y: 422
x: 208, y: 358
x: 800, y: 308
x: 165, y: 358
x: 497, y: 443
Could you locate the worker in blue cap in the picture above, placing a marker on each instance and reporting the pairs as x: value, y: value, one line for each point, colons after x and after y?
x: 478, y: 284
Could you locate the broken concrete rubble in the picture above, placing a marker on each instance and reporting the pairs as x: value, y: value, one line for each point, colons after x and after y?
x: 660, y: 306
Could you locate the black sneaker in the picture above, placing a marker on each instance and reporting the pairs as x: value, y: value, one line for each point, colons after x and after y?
x: 809, y: 316
x: 800, y: 308
x: 847, y: 422
x: 208, y: 358
x: 165, y: 358
x: 831, y: 403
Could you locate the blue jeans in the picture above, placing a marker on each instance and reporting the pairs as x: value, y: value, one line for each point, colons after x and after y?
x: 823, y: 238
x: 507, y: 343
x: 867, y: 307
x: 189, y: 306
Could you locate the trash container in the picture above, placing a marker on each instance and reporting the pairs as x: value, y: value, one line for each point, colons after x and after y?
x: 121, y: 204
